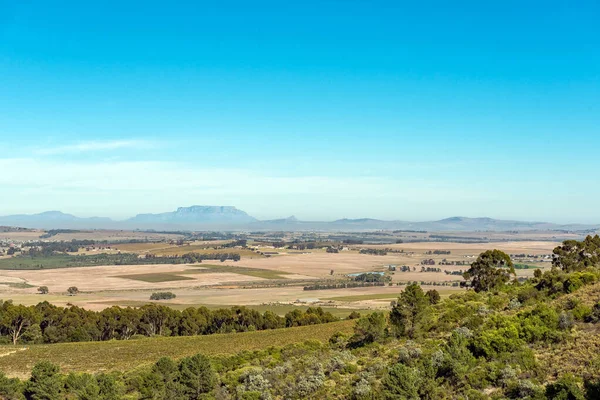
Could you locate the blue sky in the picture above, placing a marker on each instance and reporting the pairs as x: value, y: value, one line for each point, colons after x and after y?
x: 328, y: 109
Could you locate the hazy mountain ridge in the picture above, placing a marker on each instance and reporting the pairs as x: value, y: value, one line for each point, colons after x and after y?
x: 232, y: 218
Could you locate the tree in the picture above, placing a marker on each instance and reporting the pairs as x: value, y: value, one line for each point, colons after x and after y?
x: 401, y: 383
x: 433, y: 296
x: 83, y: 386
x: 16, y: 319
x: 73, y: 290
x: 492, y: 269
x: 109, y: 388
x: 197, y: 376
x: 369, y: 329
x: 169, y: 374
x: 45, y: 382
x: 574, y: 256
x: 411, y: 311
x: 10, y: 388
x: 43, y: 290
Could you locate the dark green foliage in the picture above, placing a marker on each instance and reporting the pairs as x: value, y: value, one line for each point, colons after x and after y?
x: 53, y: 259
x: 401, y: 383
x: 354, y: 315
x: 491, y: 270
x: 45, y: 383
x: 162, y: 296
x: 311, y: 316
x: 594, y: 315
x: 15, y: 320
x: 196, y: 376
x: 566, y: 388
x: 576, y: 256
x: 83, y: 386
x: 371, y: 277
x: 433, y: 296
x: 109, y: 388
x: 592, y: 389
x: 46, y: 323
x: 369, y: 329
x: 410, y: 312
x: 162, y: 381
x: 10, y: 389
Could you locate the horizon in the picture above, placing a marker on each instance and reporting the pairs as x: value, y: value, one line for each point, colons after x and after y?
x: 289, y: 216
x: 324, y: 111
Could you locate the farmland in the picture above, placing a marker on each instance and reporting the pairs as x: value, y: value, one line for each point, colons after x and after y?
x: 264, y: 275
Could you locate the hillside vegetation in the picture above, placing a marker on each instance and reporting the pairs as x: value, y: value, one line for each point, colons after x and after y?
x: 125, y: 355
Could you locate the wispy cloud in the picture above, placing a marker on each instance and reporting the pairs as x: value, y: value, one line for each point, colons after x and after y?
x: 124, y: 188
x: 93, y: 146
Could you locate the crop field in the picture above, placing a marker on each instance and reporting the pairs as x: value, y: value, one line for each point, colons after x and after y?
x: 127, y: 355
x: 102, y: 278
x: 155, y: 278
x: 203, y: 249
x: 255, y: 272
x: 58, y: 261
x: 159, y: 246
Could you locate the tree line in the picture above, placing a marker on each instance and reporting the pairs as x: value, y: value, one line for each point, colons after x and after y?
x: 46, y: 323
x: 87, y: 260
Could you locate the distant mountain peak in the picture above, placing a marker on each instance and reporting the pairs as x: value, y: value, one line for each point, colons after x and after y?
x: 197, y: 214
x: 209, y: 209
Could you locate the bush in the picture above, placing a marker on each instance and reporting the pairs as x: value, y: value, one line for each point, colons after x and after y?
x: 45, y: 382
x: 566, y: 388
x: 369, y: 329
x: 162, y: 296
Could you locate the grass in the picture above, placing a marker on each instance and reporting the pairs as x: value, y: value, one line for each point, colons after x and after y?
x: 127, y: 355
x: 254, y: 272
x: 156, y: 277
x: 57, y: 261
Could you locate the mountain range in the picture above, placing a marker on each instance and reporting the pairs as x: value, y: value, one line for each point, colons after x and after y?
x: 231, y: 218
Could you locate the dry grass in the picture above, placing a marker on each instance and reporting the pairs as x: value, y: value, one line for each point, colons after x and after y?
x: 202, y: 249
x: 155, y: 278
x: 579, y: 355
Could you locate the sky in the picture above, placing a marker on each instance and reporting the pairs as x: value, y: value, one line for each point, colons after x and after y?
x: 320, y: 109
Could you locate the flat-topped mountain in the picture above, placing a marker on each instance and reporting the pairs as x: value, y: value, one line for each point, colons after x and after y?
x: 195, y: 214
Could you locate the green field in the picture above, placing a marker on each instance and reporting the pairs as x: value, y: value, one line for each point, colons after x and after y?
x: 57, y: 261
x: 126, y: 355
x: 155, y: 277
x: 254, y: 272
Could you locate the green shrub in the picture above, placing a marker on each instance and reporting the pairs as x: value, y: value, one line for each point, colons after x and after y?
x: 566, y: 388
